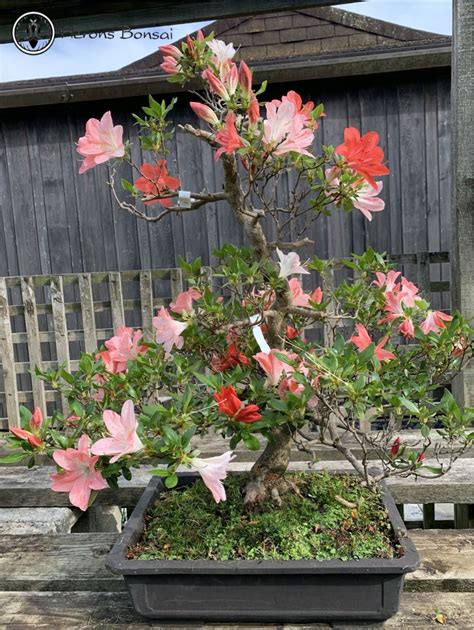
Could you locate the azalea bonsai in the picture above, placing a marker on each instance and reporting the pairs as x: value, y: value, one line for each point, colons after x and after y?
x: 235, y: 353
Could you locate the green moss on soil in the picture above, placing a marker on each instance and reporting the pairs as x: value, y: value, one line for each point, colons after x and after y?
x: 187, y: 524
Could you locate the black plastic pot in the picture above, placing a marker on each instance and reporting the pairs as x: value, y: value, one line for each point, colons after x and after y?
x: 267, y: 590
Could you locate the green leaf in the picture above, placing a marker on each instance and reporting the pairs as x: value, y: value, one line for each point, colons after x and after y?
x: 409, y: 405
x: 12, y: 458
x: 25, y: 416
x: 436, y: 470
x: 425, y: 430
x: 126, y: 185
x: 159, y: 472
x: 171, y: 481
x: 251, y: 442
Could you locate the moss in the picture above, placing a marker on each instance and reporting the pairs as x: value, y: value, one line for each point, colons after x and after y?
x: 187, y: 524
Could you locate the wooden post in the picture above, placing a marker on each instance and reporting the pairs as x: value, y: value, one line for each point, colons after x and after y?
x: 146, y: 298
x: 8, y: 359
x: 60, y: 329
x: 34, y: 345
x: 116, y: 299
x: 462, y: 114
x: 87, y: 309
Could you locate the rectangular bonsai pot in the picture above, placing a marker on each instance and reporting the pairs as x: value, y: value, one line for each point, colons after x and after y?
x: 260, y: 590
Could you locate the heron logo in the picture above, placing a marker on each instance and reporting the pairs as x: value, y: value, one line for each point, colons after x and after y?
x: 33, y: 33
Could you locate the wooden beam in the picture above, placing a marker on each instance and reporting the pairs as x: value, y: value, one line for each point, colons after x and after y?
x: 462, y: 114
x: 83, y: 16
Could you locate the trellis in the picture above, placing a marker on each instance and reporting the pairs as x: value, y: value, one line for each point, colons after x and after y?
x: 47, y: 321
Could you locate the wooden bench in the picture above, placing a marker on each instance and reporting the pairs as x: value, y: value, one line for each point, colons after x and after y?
x: 59, y: 581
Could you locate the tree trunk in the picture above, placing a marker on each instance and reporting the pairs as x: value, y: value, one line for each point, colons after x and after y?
x: 267, y: 472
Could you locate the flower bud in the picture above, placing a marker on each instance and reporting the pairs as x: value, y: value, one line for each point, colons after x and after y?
x: 215, y: 84
x: 36, y: 419
x: 245, y: 78
x: 171, y: 51
x: 204, y: 112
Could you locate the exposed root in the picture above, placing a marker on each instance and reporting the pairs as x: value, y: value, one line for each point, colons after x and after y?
x: 347, y: 504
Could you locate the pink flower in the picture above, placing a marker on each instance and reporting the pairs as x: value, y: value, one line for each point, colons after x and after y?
x: 409, y: 291
x: 36, y: 419
x: 215, y: 84
x: 289, y: 264
x: 394, y: 302
x: 184, y: 301
x: 435, y: 321
x: 289, y: 385
x: 299, y: 297
x: 168, y: 331
x: 213, y: 470
x: 388, y: 280
x: 123, y: 429
x: 102, y: 142
x: 273, y: 367
x: 285, y: 129
x: 110, y: 365
x: 170, y: 65
x: 228, y: 137
x: 406, y: 328
x: 204, y: 112
x: 79, y: 476
x: 363, y: 340
x: 317, y: 295
x: 123, y: 347
x: 366, y: 199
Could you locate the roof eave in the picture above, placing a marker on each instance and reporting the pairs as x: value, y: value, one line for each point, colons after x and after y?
x: 352, y: 63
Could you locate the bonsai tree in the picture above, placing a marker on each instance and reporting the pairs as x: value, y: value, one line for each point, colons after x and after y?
x: 237, y: 353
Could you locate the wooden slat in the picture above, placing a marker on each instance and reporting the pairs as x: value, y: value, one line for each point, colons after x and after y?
x: 60, y: 329
x: 114, y: 611
x: 116, y: 299
x: 8, y: 359
x: 75, y: 562
x: 34, y: 347
x: 87, y: 308
x: 31, y: 488
x: 146, y: 301
x: 176, y: 282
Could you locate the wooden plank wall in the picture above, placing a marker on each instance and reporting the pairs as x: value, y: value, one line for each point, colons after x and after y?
x: 54, y: 221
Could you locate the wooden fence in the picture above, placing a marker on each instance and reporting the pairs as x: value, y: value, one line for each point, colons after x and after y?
x: 50, y: 320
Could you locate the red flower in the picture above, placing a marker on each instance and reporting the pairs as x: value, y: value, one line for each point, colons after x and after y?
x: 362, y: 154
x: 230, y: 405
x: 232, y: 359
x: 228, y: 137
x: 395, y: 447
x: 155, y: 182
x: 27, y: 436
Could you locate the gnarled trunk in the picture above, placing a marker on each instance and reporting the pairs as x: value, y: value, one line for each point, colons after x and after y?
x: 267, y: 472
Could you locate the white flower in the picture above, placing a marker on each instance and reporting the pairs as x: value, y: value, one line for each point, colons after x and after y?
x: 290, y: 264
x: 213, y: 471
x: 223, y: 53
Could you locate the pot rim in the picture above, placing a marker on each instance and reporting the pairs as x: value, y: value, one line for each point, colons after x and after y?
x: 118, y: 563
